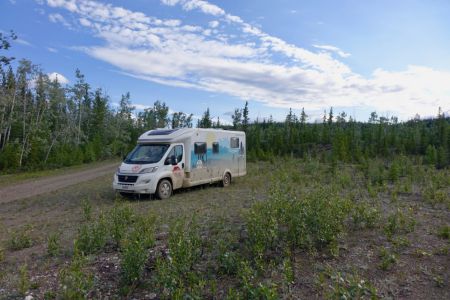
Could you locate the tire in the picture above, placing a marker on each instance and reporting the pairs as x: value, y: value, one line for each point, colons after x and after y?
x: 226, y: 180
x: 164, y: 190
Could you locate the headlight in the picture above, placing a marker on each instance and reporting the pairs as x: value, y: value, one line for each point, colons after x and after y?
x: 118, y: 171
x: 148, y: 170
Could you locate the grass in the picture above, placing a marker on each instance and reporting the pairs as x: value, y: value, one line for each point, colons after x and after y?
x: 269, y: 235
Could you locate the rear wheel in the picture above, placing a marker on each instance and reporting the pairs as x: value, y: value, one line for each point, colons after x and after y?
x: 226, y: 180
x: 164, y: 189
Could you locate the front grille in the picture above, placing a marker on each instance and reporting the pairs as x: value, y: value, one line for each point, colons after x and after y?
x: 127, y: 178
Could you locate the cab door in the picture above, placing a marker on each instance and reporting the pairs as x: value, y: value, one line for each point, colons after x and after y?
x: 177, y: 169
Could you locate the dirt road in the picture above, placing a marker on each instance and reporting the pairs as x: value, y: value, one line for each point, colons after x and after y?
x: 39, y: 186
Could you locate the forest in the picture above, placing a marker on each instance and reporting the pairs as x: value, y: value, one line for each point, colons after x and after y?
x: 329, y: 209
x: 44, y: 124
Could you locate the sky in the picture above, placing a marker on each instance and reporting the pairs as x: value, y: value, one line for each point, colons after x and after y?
x: 356, y: 56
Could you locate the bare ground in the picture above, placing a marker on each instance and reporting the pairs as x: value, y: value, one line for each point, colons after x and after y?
x: 36, y: 187
x: 421, y: 270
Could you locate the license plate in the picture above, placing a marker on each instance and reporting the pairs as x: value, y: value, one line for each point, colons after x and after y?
x: 125, y: 187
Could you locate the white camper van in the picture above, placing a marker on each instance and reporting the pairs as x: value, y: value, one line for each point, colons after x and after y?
x: 168, y: 159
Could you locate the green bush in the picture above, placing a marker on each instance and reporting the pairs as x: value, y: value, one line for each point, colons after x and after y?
x: 20, y: 239
x: 24, y: 279
x: 399, y: 222
x: 388, y: 259
x: 53, y: 244
x: 251, y: 289
x: 315, y: 221
x: 9, y: 157
x: 120, y: 218
x: 175, y: 273
x: 133, y: 257
x: 75, y: 281
x: 87, y: 209
x: 134, y: 250
x: 349, y: 286
x: 92, y: 237
x: 365, y: 215
x: 444, y: 232
x: 227, y: 259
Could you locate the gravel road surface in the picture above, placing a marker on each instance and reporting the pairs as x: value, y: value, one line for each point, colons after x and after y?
x: 39, y: 186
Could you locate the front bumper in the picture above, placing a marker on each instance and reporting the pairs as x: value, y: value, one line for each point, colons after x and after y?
x: 145, y: 184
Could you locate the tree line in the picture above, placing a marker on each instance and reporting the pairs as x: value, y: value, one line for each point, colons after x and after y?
x: 44, y: 124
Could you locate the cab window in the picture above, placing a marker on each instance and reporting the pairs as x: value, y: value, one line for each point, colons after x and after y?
x: 177, y: 151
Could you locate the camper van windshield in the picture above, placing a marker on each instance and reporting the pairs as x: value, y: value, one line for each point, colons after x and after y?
x: 146, y: 154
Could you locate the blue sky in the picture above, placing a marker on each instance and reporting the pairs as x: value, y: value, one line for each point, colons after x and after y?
x: 356, y: 56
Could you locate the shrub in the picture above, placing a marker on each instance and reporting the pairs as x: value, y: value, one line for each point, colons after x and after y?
x: 93, y: 237
x: 444, y: 232
x: 288, y: 272
x: 394, y: 171
x: 251, y: 289
x: 227, y: 259
x: 315, y: 221
x: 53, y: 246
x: 174, y: 273
x: 399, y: 222
x: 364, y: 215
x: 20, y: 239
x: 133, y: 257
x: 75, y: 282
x: 349, y: 286
x: 134, y: 252
x: 388, y: 259
x: 119, y: 219
x: 87, y: 209
x: 24, y: 279
x: 144, y: 227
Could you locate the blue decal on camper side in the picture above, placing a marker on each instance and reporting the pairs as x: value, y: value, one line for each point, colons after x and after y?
x: 210, y: 159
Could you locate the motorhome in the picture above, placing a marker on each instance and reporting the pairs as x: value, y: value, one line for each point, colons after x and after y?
x: 168, y: 159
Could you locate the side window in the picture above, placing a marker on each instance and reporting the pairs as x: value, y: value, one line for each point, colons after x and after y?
x: 215, y: 147
x: 199, y: 148
x: 234, y: 142
x: 178, y: 152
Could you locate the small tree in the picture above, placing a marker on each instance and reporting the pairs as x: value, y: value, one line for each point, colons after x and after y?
x: 206, y: 121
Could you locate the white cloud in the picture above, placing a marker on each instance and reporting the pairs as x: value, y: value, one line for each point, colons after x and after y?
x: 170, y: 2
x: 332, y: 49
x: 58, y: 18
x: 57, y: 76
x: 85, y: 22
x: 53, y: 50
x: 249, y: 63
x: 23, y: 42
x: 213, y: 24
x: 203, y: 6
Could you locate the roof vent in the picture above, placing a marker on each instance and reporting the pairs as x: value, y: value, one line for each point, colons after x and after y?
x: 162, y: 131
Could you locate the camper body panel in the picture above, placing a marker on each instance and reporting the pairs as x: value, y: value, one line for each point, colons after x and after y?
x: 213, y: 153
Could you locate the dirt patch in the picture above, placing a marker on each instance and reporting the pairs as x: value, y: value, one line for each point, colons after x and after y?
x: 49, y: 184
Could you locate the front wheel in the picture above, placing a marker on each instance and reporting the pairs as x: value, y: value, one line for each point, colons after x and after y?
x: 226, y: 180
x: 164, y: 189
